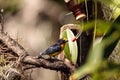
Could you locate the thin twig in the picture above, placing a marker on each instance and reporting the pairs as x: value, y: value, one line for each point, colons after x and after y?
x: 2, y: 20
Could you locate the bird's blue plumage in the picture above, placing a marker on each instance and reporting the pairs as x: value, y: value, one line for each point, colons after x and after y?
x: 52, y: 49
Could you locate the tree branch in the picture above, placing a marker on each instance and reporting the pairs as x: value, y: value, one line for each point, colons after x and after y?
x: 52, y: 64
x: 12, y: 45
x: 17, y: 50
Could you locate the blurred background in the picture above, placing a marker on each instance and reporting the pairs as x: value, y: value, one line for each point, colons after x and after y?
x: 35, y: 24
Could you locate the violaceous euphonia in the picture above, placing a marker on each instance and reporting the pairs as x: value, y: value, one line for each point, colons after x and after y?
x: 55, y: 49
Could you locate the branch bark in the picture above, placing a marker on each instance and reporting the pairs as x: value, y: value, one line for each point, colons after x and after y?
x: 11, y: 45
x: 52, y: 64
x: 17, y: 50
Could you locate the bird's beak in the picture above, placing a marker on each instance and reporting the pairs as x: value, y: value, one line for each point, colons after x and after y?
x: 66, y: 40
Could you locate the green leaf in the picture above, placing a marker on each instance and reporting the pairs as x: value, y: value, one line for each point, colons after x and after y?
x: 113, y: 36
x: 101, y: 28
x: 114, y: 5
x: 78, y: 1
x: 93, y: 62
x: 66, y: 49
x: 95, y: 57
x: 71, y: 49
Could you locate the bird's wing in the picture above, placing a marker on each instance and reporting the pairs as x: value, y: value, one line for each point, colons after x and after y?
x: 52, y: 49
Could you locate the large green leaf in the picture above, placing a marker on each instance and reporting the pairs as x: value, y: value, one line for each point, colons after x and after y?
x: 71, y: 49
x: 66, y: 49
x: 93, y: 62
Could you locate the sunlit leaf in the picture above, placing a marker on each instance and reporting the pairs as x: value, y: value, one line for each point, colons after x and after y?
x: 72, y: 46
x: 66, y: 49
x: 71, y: 49
x: 114, y: 5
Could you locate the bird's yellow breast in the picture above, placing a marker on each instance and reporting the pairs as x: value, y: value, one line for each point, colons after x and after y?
x: 57, y: 53
x: 62, y: 46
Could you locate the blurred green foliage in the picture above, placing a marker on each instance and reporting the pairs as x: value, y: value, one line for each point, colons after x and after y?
x: 97, y: 65
x: 114, y: 5
x: 9, y: 5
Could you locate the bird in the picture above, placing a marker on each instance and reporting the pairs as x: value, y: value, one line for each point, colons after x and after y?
x: 54, y: 49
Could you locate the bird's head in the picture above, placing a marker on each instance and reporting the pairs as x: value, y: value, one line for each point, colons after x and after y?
x: 62, y: 41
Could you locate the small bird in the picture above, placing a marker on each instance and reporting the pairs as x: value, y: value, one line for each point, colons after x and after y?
x: 55, y: 49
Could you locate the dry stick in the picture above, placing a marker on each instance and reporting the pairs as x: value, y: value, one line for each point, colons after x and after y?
x: 12, y: 44
x: 2, y: 20
x: 77, y: 36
